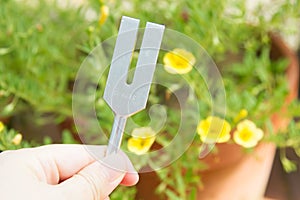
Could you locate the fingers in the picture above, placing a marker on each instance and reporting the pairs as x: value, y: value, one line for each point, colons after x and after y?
x: 99, y: 179
x: 95, y: 178
x: 83, y: 177
x: 55, y: 163
x: 66, y: 160
x: 60, y: 162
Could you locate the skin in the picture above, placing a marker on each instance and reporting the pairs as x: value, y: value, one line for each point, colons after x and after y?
x: 62, y: 172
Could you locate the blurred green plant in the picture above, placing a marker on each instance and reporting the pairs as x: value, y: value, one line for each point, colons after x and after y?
x: 11, y: 139
x: 289, y: 138
x: 39, y: 55
x: 41, y: 51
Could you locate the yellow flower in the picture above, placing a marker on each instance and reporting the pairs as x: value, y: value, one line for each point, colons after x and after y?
x: 141, y: 140
x: 179, y: 61
x: 247, y: 134
x: 104, y: 10
x: 241, y: 115
x: 1, y: 126
x: 17, y: 139
x: 214, y: 129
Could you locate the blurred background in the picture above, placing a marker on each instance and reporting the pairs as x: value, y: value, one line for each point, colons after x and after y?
x: 43, y: 43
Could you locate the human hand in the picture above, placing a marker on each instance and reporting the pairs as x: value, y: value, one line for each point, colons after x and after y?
x: 62, y: 172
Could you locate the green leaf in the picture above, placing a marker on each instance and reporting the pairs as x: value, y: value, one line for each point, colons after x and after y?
x: 297, y: 151
x: 160, y: 189
x: 67, y: 138
x: 47, y: 140
x: 193, y: 193
x: 2, y: 147
x: 288, y: 165
x: 180, y: 185
x: 172, y: 195
x: 4, y: 51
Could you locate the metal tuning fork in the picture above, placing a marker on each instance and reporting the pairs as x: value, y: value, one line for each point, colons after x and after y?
x: 123, y: 98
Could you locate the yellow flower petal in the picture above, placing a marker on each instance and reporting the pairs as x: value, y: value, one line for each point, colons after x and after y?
x: 247, y: 134
x: 241, y: 115
x: 17, y: 139
x: 179, y: 61
x: 104, y: 10
x: 1, y: 126
x: 214, y: 129
x: 141, y: 140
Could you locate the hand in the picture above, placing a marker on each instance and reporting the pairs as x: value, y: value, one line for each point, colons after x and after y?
x: 62, y: 172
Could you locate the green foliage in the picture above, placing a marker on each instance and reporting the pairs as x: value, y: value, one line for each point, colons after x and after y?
x: 38, y: 55
x: 67, y: 137
x: 10, y: 139
x: 123, y: 193
x: 288, y: 165
x: 182, y: 179
x: 255, y: 79
x: 289, y: 138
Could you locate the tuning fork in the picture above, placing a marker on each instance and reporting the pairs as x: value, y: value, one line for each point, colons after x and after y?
x: 123, y: 98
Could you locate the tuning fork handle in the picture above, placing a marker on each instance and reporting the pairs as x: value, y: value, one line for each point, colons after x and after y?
x: 116, y: 134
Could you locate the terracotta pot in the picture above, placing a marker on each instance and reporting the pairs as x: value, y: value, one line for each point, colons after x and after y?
x: 221, y: 159
x: 232, y: 173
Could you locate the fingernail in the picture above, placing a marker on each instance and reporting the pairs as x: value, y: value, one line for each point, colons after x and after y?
x: 131, y: 170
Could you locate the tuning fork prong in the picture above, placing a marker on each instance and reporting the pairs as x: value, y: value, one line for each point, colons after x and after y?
x: 128, y: 99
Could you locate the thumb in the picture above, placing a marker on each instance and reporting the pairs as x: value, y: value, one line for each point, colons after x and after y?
x: 97, y: 180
